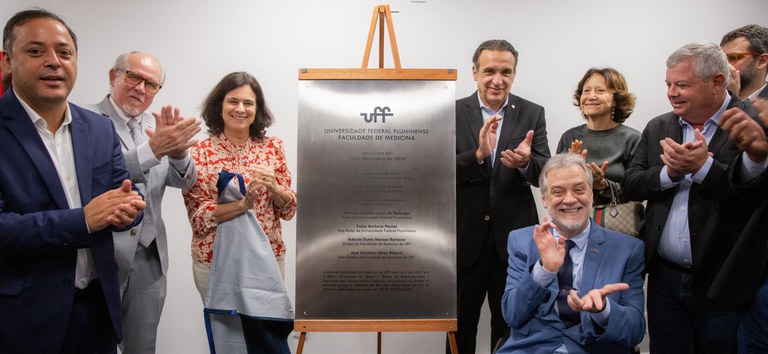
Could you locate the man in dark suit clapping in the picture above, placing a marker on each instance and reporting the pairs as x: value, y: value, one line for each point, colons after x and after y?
x: 501, y: 146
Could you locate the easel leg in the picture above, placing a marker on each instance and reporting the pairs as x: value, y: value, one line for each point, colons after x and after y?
x: 302, y: 338
x: 378, y: 342
x: 452, y: 340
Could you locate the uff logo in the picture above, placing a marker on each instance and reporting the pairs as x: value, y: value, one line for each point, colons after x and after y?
x: 378, y: 113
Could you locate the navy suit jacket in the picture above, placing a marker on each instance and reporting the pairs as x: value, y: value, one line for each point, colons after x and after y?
x: 40, y: 234
x: 530, y: 310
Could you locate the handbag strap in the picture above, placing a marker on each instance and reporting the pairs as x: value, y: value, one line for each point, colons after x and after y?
x: 614, y: 197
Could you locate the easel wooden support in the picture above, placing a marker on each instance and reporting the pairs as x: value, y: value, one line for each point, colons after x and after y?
x: 416, y: 325
x: 381, y: 13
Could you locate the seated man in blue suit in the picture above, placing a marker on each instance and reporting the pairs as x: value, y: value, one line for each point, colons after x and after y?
x: 572, y: 286
x: 63, y: 189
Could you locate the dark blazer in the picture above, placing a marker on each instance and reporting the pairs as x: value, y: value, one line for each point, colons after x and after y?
x: 495, y: 198
x: 742, y: 273
x: 716, y: 215
x: 40, y: 234
x: 529, y: 309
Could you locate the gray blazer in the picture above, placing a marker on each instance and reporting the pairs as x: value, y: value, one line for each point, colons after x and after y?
x: 152, y: 183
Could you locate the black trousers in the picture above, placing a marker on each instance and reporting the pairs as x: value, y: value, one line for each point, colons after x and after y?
x: 90, y: 330
x: 487, y: 277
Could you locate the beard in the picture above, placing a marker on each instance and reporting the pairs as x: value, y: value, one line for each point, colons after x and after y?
x: 570, y: 227
x: 748, y: 74
x: 131, y: 111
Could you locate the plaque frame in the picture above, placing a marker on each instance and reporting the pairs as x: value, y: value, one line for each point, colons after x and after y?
x: 382, y: 14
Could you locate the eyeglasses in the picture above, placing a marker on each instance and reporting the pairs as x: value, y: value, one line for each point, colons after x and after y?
x: 738, y: 56
x: 135, y: 79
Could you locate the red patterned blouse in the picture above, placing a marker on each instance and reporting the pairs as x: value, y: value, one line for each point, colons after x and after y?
x: 216, y: 153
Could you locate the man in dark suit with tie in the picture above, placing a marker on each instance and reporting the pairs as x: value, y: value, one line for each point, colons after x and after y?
x: 154, y: 161
x: 63, y: 188
x: 693, y: 217
x: 572, y: 286
x: 501, y: 145
x: 747, y: 51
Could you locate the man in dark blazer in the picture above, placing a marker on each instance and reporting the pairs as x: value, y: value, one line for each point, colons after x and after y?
x: 501, y: 145
x: 154, y: 162
x: 693, y: 217
x: 743, y: 278
x: 63, y: 188
x: 741, y: 274
x: 605, y: 284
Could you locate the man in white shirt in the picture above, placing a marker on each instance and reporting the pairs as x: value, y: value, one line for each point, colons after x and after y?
x: 63, y: 190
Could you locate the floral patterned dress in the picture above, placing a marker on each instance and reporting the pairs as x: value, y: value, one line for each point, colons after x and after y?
x: 216, y: 153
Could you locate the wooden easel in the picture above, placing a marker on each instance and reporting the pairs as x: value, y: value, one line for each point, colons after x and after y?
x: 381, y: 13
x: 416, y: 325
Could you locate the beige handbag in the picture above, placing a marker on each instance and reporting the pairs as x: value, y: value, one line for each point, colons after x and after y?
x: 622, y: 217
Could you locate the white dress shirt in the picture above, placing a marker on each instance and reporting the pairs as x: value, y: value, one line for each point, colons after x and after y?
x: 59, y: 146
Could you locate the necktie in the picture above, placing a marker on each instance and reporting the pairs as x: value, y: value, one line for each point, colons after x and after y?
x: 147, y: 234
x: 565, y: 280
x: 134, y: 127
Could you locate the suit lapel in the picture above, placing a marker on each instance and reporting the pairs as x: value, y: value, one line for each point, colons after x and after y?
x: 474, y: 119
x: 593, y: 256
x: 719, y: 138
x: 718, y: 141
x: 107, y: 110
x: 21, y: 127
x: 674, y: 130
x: 507, y: 127
x: 81, y: 150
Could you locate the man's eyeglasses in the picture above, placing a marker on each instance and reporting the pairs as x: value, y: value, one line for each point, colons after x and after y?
x: 134, y: 79
x: 738, y: 56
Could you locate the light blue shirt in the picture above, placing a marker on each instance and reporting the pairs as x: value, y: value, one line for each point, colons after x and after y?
x: 487, y: 113
x: 544, y: 278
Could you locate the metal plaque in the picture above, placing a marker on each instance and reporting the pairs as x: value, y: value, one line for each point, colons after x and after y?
x: 376, y: 224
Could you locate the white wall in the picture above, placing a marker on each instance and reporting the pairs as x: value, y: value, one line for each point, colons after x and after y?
x: 200, y: 41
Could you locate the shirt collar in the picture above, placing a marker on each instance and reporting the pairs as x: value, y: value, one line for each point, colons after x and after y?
x: 754, y: 95
x: 581, y: 239
x: 121, y: 114
x: 37, y: 120
x: 488, y: 109
x: 715, y: 118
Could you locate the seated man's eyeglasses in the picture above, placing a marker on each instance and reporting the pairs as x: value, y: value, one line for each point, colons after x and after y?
x: 135, y: 79
x: 732, y: 57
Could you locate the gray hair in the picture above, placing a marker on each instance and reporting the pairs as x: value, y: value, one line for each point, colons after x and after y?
x: 708, y: 59
x: 562, y: 160
x: 121, y: 63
